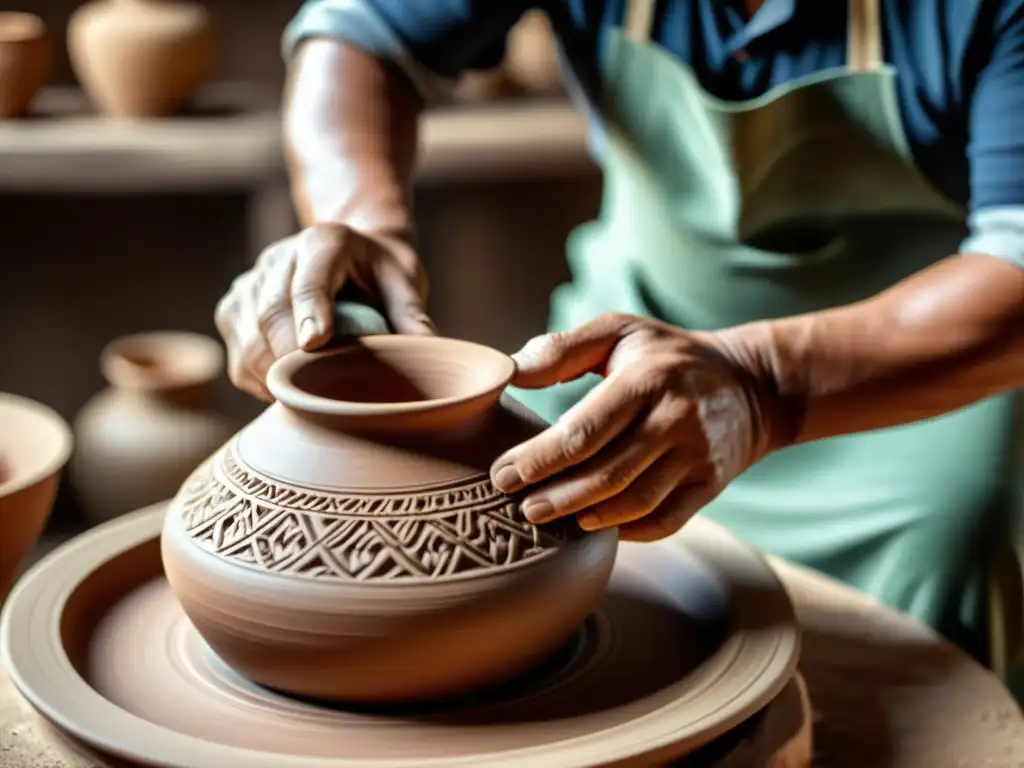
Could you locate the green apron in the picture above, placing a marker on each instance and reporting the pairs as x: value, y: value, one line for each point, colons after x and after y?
x: 717, y: 213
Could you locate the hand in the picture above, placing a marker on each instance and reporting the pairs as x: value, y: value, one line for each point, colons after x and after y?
x: 286, y: 301
x: 675, y: 419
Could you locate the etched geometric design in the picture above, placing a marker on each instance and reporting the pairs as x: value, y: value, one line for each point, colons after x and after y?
x: 429, y: 533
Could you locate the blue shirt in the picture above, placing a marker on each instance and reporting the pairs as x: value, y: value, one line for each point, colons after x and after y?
x: 960, y: 67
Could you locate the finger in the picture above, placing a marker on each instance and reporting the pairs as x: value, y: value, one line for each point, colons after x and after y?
x: 226, y: 319
x: 609, y: 474
x: 643, y: 497
x: 253, y: 357
x: 322, y: 262
x: 403, y: 302
x: 566, y: 355
x: 274, y: 306
x: 681, y: 505
x: 582, y: 431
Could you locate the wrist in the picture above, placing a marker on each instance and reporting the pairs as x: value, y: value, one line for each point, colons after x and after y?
x: 776, y: 405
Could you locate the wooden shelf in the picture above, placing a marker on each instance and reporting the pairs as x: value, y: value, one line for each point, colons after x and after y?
x: 231, y: 139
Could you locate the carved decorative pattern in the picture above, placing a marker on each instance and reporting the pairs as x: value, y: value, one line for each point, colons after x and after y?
x: 429, y: 533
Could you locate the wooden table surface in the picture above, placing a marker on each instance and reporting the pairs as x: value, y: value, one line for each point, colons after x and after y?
x: 886, y: 693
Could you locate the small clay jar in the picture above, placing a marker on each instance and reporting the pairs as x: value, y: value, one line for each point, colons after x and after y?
x: 26, y: 61
x: 141, y: 437
x: 35, y: 444
x: 140, y: 58
x: 348, y: 544
x: 532, y: 58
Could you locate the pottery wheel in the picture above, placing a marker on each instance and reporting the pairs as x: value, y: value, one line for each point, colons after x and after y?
x: 693, y: 636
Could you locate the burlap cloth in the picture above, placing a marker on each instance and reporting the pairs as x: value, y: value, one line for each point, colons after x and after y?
x: 885, y: 692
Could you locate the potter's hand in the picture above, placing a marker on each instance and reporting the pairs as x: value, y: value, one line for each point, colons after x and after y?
x: 675, y: 419
x: 285, y: 302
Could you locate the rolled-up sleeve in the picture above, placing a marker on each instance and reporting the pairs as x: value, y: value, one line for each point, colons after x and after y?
x: 995, y: 148
x: 432, y: 41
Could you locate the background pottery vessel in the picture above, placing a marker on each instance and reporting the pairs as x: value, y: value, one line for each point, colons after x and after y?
x: 140, y: 58
x: 140, y: 438
x: 26, y: 60
x: 35, y: 444
x: 532, y: 58
x: 348, y: 545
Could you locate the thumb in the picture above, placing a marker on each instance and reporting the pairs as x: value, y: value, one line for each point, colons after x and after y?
x: 564, y: 356
x: 320, y: 268
x: 403, y: 302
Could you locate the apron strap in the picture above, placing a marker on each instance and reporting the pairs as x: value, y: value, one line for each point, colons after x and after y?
x: 864, y: 36
x: 639, y: 19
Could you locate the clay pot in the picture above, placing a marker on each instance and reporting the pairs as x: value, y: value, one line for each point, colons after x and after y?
x: 532, y: 58
x: 140, y: 438
x: 35, y: 444
x: 26, y: 60
x: 140, y: 58
x: 348, y: 545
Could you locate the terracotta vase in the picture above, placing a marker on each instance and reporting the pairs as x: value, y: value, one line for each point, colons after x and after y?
x: 26, y: 61
x: 532, y: 58
x: 35, y: 444
x: 140, y: 58
x: 140, y: 438
x: 348, y: 545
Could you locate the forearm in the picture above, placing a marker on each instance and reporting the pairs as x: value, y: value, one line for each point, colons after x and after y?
x: 350, y: 139
x: 942, y: 339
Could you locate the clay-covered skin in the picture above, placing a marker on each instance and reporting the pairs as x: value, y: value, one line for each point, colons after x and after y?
x: 348, y: 544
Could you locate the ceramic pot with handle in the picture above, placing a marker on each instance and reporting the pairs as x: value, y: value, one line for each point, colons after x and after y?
x: 348, y: 544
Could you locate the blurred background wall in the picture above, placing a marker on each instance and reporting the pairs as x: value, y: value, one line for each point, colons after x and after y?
x: 110, y: 227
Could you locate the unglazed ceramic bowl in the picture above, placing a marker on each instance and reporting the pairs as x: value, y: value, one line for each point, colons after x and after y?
x: 35, y: 443
x: 348, y: 544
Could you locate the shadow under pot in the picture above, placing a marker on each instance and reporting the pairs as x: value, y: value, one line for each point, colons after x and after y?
x: 348, y: 545
x: 141, y: 437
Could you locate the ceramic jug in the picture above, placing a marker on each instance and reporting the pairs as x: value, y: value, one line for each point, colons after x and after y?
x: 142, y: 436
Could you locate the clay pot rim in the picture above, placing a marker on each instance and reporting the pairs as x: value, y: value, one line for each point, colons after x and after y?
x: 21, y: 27
x: 201, y: 360
x: 281, y: 374
x: 55, y: 459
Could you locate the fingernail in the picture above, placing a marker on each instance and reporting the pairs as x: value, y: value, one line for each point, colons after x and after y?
x: 538, y: 510
x: 589, y: 521
x: 507, y: 479
x: 307, y: 331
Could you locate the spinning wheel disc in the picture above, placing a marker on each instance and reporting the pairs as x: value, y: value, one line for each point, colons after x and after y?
x: 693, y: 636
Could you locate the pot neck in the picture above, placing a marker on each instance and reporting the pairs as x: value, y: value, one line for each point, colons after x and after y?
x: 177, y: 368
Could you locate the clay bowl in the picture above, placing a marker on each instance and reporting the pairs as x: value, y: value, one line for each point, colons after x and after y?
x: 26, y: 60
x: 348, y: 545
x: 35, y: 444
